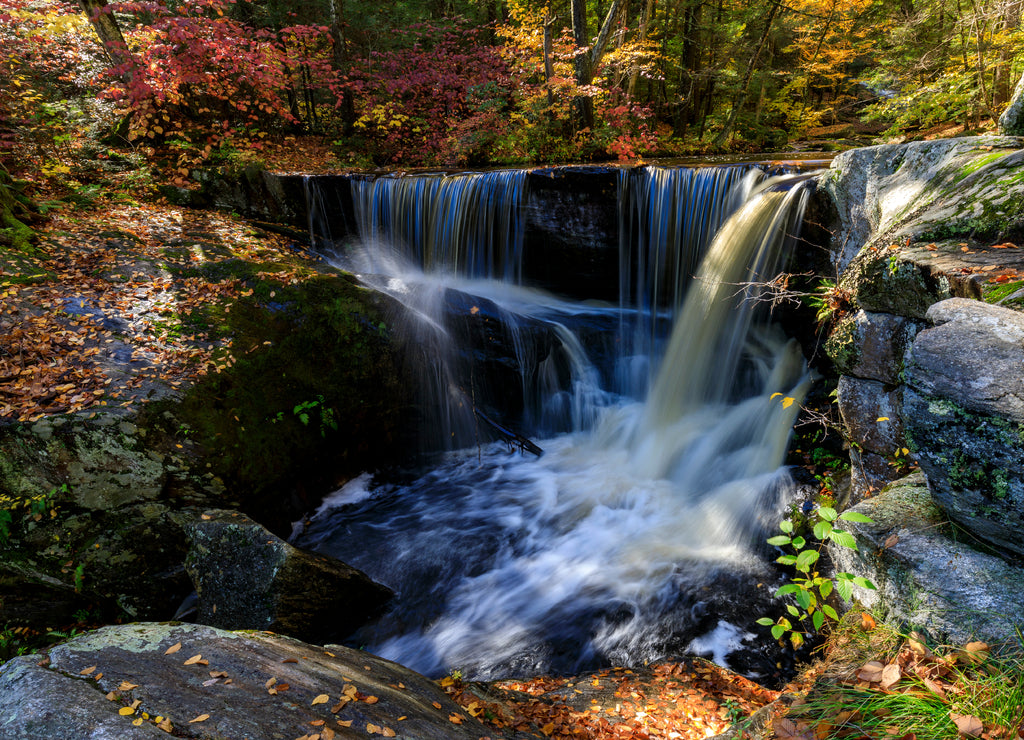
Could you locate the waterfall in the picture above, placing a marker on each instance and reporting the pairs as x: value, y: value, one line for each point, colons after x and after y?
x: 638, y: 531
x: 468, y: 224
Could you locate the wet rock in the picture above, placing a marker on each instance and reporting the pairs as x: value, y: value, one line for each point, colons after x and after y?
x: 247, y: 578
x: 871, y: 413
x: 928, y: 578
x: 217, y: 684
x: 871, y: 345
x: 964, y: 414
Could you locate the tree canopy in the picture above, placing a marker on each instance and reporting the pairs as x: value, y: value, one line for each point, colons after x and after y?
x: 470, y: 82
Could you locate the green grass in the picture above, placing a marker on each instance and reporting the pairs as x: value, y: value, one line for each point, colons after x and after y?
x: 935, y: 685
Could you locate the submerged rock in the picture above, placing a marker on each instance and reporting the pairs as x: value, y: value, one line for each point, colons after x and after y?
x: 926, y: 578
x: 247, y: 578
x: 964, y: 412
x: 148, y: 680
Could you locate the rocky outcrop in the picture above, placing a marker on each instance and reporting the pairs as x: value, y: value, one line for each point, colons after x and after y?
x: 925, y: 579
x: 964, y: 410
x: 149, y: 680
x: 897, y: 192
x: 1011, y: 122
x: 247, y: 578
x: 928, y: 242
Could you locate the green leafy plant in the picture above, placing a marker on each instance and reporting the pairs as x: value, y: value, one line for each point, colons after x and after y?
x: 328, y: 419
x: 809, y: 589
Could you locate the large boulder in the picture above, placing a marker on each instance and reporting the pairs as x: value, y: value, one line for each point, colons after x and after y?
x: 148, y: 680
x: 928, y: 578
x: 954, y: 187
x: 248, y: 578
x: 964, y: 416
x: 1011, y: 122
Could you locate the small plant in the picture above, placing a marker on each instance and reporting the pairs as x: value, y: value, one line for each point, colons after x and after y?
x: 809, y: 589
x: 328, y: 419
x: 829, y: 301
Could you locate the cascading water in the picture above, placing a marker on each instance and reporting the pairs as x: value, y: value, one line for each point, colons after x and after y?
x: 637, y: 532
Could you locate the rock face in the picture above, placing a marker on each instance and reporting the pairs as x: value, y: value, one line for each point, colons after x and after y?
x: 217, y: 684
x: 925, y: 579
x: 932, y: 359
x: 897, y: 191
x: 1011, y: 122
x: 247, y: 578
x: 964, y: 408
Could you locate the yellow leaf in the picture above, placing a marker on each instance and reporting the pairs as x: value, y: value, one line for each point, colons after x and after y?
x: 906, y: 451
x: 548, y: 728
x: 882, y: 418
x: 137, y: 722
x: 173, y: 649
x: 200, y: 718
x: 772, y: 396
x: 126, y: 711
x: 787, y: 402
x: 322, y: 699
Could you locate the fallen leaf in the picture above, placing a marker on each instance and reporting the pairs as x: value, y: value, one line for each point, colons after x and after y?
x: 977, y: 651
x: 125, y: 686
x: 125, y: 711
x: 200, y: 718
x: 321, y: 699
x: 967, y: 724
x: 455, y: 719
x: 871, y: 672
x: 387, y: 732
x: 891, y: 541
x: 173, y: 649
x: 194, y: 659
x: 371, y: 700
x: 934, y: 687
x: 867, y: 622
x: 891, y: 675
x: 373, y: 729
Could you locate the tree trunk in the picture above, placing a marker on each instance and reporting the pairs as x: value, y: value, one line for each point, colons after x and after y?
x: 109, y: 32
x: 583, y: 105
x: 645, y: 21
x: 741, y: 97
x: 549, y: 66
x: 346, y: 104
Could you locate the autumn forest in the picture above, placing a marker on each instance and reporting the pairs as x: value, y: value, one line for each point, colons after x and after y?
x: 476, y: 82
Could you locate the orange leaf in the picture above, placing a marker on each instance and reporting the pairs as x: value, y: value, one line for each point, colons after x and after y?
x: 867, y: 622
x: 200, y: 718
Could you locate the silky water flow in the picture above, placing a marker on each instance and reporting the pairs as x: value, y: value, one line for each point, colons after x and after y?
x: 638, y: 535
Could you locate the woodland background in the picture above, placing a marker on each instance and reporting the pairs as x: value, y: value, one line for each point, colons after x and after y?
x: 481, y: 82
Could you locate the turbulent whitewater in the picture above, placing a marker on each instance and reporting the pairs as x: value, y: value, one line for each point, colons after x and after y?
x: 636, y: 535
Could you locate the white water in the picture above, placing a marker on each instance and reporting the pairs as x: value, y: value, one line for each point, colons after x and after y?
x: 634, y: 534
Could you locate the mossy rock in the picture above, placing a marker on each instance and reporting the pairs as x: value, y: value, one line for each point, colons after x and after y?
x: 318, y: 394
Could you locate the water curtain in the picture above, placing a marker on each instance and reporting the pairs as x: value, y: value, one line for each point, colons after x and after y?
x: 469, y: 224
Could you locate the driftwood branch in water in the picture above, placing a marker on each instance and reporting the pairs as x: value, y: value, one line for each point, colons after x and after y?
x: 512, y: 438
